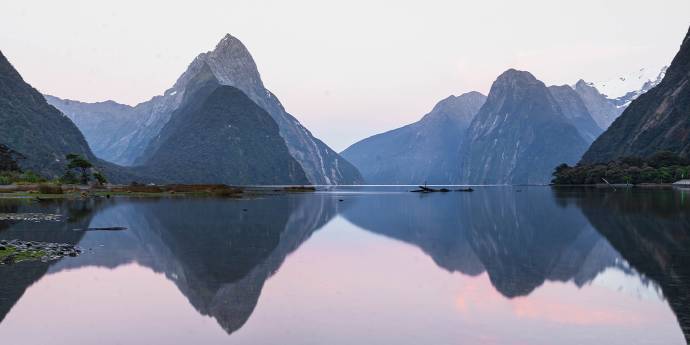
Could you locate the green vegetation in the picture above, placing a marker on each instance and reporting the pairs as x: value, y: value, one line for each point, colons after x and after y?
x: 14, y: 255
x: 16, y: 177
x: 662, y: 167
x: 84, y: 168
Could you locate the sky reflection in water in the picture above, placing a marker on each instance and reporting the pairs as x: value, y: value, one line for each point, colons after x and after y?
x: 498, y: 266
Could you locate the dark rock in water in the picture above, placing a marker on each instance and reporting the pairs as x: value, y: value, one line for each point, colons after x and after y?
x: 112, y: 228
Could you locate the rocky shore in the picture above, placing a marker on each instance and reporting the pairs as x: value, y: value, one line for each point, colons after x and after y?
x: 14, y: 251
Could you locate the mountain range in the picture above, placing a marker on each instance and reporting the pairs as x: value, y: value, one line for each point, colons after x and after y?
x: 219, y: 124
x: 656, y: 121
x: 131, y: 129
x: 521, y: 135
x: 426, y: 150
x: 39, y: 135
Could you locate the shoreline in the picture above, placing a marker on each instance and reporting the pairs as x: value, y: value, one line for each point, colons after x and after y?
x: 51, y: 191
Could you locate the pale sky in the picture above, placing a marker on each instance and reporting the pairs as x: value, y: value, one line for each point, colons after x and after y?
x: 346, y: 69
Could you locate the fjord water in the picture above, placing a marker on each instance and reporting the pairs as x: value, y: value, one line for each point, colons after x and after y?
x: 359, y: 265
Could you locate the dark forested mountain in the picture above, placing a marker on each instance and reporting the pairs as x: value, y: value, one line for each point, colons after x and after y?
x: 575, y: 110
x: 232, y: 65
x: 426, y: 150
x: 519, y: 135
x: 9, y: 159
x: 219, y: 135
x: 32, y: 127
x: 658, y: 120
x: 37, y: 131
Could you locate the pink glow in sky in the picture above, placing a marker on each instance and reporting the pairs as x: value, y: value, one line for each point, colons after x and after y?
x: 346, y: 69
x: 343, y: 286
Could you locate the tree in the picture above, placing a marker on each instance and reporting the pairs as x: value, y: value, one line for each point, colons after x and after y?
x: 80, y: 163
x: 100, y: 178
x: 69, y: 178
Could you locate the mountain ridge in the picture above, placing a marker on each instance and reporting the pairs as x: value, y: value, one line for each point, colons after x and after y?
x: 425, y: 150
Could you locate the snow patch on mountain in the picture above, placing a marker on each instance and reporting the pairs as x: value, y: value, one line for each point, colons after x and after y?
x: 625, y: 88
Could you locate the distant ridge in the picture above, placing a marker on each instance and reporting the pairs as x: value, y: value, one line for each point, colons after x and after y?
x: 426, y: 150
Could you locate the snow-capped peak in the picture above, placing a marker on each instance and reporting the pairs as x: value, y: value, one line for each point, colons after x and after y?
x: 622, y: 85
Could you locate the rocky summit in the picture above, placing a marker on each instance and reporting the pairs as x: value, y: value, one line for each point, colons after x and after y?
x: 519, y: 135
x: 231, y: 64
x: 219, y: 135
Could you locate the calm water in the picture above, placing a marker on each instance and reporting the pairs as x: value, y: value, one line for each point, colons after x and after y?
x: 498, y: 266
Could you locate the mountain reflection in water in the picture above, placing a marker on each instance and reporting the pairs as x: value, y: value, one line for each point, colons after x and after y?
x: 528, y: 243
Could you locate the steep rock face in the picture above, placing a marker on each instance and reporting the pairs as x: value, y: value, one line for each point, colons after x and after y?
x: 603, y: 110
x: 104, y: 124
x: 219, y: 135
x: 426, y: 150
x: 232, y: 65
x: 519, y: 135
x: 657, y: 120
x: 574, y: 109
x: 33, y: 128
x: 606, y: 100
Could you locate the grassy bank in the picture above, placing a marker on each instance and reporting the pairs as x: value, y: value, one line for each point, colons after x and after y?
x: 56, y: 191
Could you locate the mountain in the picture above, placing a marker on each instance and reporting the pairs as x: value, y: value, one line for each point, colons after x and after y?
x: 8, y: 159
x: 519, y: 135
x: 606, y: 100
x: 33, y: 128
x: 426, y: 150
x: 104, y: 124
x: 625, y: 88
x: 576, y: 111
x: 232, y: 65
x: 656, y: 121
x: 39, y: 133
x: 219, y: 135
x: 603, y: 110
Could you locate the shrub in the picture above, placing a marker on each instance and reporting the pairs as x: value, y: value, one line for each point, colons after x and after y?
x: 31, y: 177
x: 49, y: 189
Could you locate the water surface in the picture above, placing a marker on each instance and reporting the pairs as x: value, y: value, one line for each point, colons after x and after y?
x: 502, y: 265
